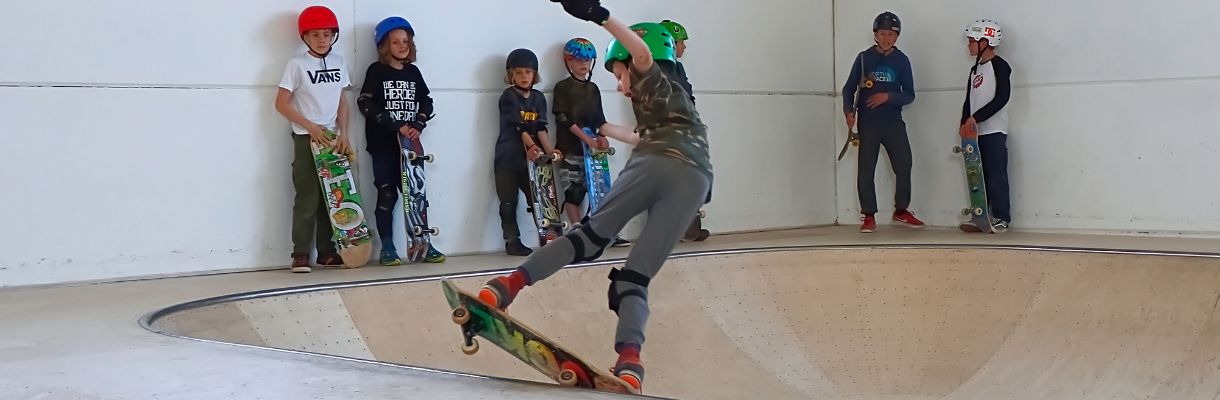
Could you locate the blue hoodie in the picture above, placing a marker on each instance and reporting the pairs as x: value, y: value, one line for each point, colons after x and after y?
x: 887, y: 73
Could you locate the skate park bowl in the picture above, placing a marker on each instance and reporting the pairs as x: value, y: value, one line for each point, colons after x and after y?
x: 834, y: 322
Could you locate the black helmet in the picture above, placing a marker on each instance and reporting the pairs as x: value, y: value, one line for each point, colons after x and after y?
x: 887, y: 21
x: 521, y: 58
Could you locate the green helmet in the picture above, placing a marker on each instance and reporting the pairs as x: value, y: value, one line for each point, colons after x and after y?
x: 660, y: 42
x: 676, y: 29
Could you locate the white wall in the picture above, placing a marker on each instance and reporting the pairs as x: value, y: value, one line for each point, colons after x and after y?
x: 1112, y: 112
x: 150, y: 144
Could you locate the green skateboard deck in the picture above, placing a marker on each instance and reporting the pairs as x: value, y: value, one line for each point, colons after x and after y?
x: 526, y: 344
x: 980, y: 215
x: 349, y: 229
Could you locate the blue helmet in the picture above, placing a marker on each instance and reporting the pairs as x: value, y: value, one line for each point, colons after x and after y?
x: 388, y: 25
x: 580, y: 49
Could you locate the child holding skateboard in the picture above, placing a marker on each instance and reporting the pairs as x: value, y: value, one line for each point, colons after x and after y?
x: 522, y: 132
x: 882, y: 74
x: 311, y: 97
x: 695, y: 231
x: 395, y: 102
x: 667, y: 176
x: 985, y: 114
x: 578, y: 105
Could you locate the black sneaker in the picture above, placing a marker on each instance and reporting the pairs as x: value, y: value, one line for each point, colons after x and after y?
x: 516, y: 248
x: 999, y: 226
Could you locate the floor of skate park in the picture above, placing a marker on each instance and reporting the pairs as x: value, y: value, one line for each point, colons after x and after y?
x: 810, y: 313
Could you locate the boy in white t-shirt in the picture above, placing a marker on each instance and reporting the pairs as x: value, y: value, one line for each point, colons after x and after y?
x: 311, y: 97
x: 985, y: 114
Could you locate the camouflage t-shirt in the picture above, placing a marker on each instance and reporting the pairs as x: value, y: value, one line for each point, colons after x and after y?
x: 667, y: 120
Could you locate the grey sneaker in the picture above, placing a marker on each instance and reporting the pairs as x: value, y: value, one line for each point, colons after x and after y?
x: 999, y: 226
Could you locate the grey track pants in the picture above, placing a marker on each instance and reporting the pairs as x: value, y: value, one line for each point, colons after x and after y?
x: 670, y: 191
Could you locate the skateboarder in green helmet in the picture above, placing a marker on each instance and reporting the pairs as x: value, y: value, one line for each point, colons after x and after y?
x: 667, y: 177
x: 695, y: 231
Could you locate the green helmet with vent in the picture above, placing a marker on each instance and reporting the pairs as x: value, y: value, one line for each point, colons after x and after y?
x: 676, y: 29
x: 658, y: 38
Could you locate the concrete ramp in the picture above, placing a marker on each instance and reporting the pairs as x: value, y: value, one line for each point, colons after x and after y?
x: 803, y: 323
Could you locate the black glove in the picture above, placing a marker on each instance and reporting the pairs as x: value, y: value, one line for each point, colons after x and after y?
x: 588, y: 10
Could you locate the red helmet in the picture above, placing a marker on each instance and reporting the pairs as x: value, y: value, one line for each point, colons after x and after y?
x: 316, y: 17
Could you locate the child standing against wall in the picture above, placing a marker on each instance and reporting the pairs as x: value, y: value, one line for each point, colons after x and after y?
x: 523, y: 136
x: 985, y: 114
x: 311, y: 97
x: 668, y: 177
x: 395, y: 102
x: 883, y: 76
x: 695, y: 231
x: 578, y: 105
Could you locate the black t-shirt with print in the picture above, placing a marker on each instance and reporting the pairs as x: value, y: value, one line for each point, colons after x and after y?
x: 398, y: 96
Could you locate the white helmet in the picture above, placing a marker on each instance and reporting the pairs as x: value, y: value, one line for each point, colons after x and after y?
x: 985, y: 29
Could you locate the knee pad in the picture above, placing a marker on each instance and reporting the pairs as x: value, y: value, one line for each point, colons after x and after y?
x: 575, y: 195
x: 578, y: 237
x: 616, y: 275
x: 386, y: 195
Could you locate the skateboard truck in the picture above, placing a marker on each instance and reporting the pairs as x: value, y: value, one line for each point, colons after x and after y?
x: 411, y: 156
x: 419, y: 230
x: 461, y: 316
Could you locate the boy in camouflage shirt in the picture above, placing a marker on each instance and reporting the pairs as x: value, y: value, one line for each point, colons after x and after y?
x: 668, y: 177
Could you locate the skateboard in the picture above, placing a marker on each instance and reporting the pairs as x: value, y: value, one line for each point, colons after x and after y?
x: 349, y: 229
x: 980, y: 215
x: 415, y: 199
x: 563, y: 366
x: 546, y: 199
x: 597, y: 172
x: 695, y: 231
x: 853, y: 139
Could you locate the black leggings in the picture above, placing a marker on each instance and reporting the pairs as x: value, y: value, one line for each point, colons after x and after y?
x: 508, y: 181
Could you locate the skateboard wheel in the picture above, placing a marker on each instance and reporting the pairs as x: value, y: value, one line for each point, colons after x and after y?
x: 436, y: 231
x: 957, y: 149
x: 966, y: 211
x: 460, y: 316
x: 568, y: 377
x: 415, y: 230
x: 471, y: 349
x: 566, y: 225
x: 702, y: 214
x: 969, y: 149
x: 978, y: 211
x: 610, y: 151
x: 428, y: 158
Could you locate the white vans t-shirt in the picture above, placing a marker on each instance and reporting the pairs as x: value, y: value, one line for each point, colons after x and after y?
x: 316, y: 88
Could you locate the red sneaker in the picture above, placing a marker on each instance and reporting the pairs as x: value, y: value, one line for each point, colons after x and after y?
x: 629, y: 368
x: 869, y: 225
x: 500, y: 291
x: 300, y: 264
x: 905, y: 217
x: 330, y: 260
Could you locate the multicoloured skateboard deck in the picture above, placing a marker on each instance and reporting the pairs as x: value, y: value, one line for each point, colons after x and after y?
x: 349, y: 229
x: 526, y: 344
x: 546, y: 199
x: 980, y: 215
x: 597, y: 172
x: 415, y: 199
